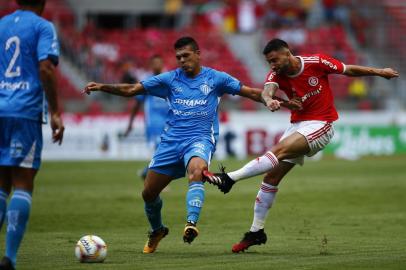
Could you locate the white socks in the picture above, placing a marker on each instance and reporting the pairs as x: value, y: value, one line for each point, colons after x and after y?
x: 263, y: 202
x: 255, y: 167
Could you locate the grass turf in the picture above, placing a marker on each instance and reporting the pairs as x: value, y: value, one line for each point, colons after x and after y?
x: 330, y: 214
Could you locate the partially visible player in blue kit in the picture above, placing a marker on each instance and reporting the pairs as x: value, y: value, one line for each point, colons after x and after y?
x: 29, y: 51
x: 155, y: 111
x: 189, y: 140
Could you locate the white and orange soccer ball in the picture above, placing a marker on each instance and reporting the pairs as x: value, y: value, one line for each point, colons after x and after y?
x: 91, y: 249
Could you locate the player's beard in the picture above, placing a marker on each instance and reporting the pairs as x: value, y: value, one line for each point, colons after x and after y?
x: 284, y: 69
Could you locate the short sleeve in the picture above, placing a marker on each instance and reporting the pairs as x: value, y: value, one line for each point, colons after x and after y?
x: 48, y: 45
x: 331, y: 65
x: 228, y: 84
x: 158, y: 85
x: 272, y: 78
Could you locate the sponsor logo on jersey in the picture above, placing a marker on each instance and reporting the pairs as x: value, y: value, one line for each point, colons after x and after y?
x: 190, y: 102
x: 312, y: 93
x: 22, y: 85
x: 206, y: 89
x: 183, y: 113
x: 313, y: 81
x: 329, y: 64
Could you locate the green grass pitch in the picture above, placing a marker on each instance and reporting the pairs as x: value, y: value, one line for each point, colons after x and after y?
x: 330, y: 214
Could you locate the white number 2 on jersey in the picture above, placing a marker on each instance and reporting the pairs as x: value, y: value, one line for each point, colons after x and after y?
x: 9, y: 71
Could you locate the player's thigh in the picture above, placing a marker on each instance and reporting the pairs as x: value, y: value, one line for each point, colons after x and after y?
x: 197, y: 157
x: 275, y: 176
x: 292, y: 146
x: 5, y: 178
x: 20, y: 142
x: 195, y: 168
x: 168, y: 159
x: 23, y: 178
x: 154, y: 184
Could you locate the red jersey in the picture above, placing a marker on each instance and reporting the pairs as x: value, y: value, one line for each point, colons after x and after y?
x: 312, y: 86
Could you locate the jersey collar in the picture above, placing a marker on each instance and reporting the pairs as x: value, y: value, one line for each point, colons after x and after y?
x: 301, y: 68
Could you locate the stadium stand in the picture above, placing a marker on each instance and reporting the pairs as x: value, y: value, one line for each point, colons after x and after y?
x: 101, y: 53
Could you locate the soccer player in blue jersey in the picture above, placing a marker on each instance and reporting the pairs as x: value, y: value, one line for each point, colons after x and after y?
x: 155, y: 111
x: 189, y: 140
x: 29, y: 52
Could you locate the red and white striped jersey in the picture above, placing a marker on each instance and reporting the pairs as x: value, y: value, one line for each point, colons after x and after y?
x: 312, y: 86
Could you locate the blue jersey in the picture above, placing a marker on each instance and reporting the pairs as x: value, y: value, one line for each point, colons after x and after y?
x: 193, y: 101
x: 25, y: 40
x: 155, y: 113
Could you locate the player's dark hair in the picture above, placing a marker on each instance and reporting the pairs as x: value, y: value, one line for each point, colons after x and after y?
x: 275, y: 45
x: 186, y: 41
x: 30, y: 2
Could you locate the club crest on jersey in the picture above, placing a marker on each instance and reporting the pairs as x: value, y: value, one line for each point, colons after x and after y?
x: 178, y: 89
x: 313, y: 81
x: 270, y: 76
x: 206, y: 89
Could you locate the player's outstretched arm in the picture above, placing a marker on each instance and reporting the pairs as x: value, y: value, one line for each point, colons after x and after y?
x: 125, y: 90
x: 274, y: 103
x: 354, y: 70
x: 48, y: 80
x: 251, y: 93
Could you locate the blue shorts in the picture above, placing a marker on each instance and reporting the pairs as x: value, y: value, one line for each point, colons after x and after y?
x: 172, y: 156
x: 20, y: 142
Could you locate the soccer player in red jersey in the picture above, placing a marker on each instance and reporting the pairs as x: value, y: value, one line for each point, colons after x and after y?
x: 311, y: 129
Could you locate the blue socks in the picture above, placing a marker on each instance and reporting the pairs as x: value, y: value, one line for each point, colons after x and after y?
x: 18, y: 213
x: 194, y: 201
x: 3, y: 206
x: 153, y: 212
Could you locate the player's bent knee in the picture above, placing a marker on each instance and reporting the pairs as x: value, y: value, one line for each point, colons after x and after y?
x: 148, y: 195
x: 196, y: 175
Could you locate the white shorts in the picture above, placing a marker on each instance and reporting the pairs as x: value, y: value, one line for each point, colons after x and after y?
x: 317, y: 133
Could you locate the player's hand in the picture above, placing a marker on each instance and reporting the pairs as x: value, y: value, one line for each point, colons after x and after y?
x: 272, y: 104
x: 57, y: 128
x: 91, y: 87
x: 295, y: 104
x: 389, y: 73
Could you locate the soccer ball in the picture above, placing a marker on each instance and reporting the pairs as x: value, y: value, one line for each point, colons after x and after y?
x: 91, y: 249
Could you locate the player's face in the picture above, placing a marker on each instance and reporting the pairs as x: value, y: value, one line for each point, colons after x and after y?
x: 278, y: 60
x: 156, y: 65
x: 188, y: 59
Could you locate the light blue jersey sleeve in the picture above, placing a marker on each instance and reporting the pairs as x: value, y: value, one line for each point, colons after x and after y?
x: 228, y: 84
x: 158, y: 85
x: 48, y: 45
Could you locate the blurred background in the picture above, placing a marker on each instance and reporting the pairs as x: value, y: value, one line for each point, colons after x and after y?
x: 111, y: 41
